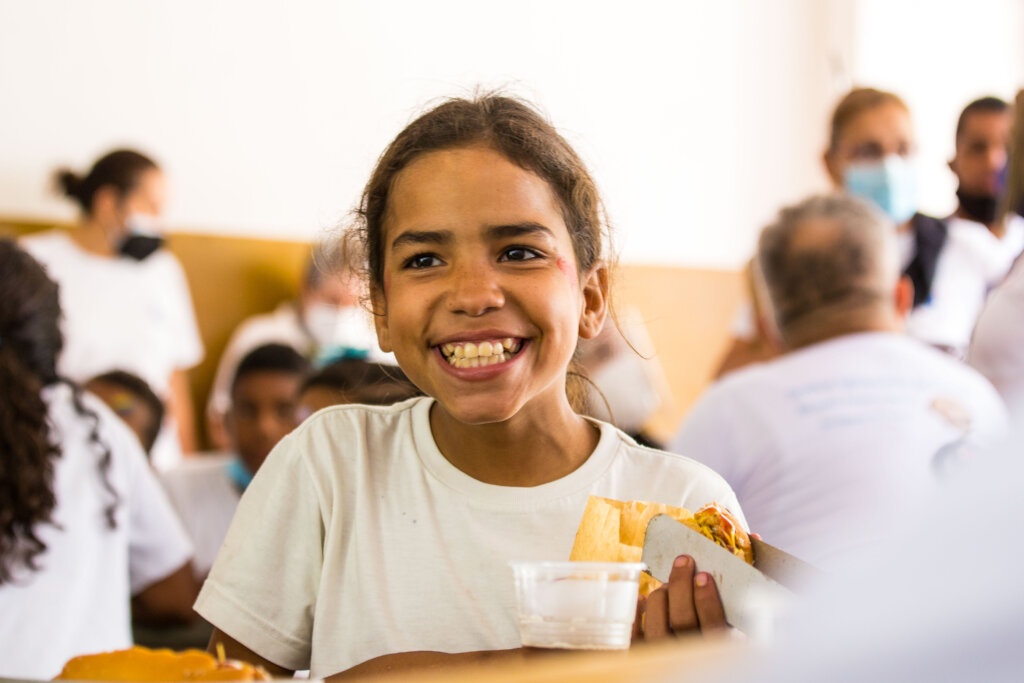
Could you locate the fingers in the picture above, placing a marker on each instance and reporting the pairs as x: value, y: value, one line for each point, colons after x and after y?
x: 687, y: 603
x: 656, y: 615
x: 756, y: 536
x: 710, y: 613
x: 682, y: 616
x: 638, y: 620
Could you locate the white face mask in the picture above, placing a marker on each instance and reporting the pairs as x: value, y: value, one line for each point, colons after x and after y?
x: 339, y: 327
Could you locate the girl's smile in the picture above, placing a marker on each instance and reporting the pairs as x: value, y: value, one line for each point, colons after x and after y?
x: 487, y: 352
x: 478, y: 308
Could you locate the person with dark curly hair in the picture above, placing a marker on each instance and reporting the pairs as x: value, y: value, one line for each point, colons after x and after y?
x: 87, y: 537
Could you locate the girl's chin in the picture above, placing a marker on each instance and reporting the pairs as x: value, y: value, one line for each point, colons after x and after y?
x: 477, y: 412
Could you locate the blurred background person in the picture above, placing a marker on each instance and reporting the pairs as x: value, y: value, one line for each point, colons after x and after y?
x: 133, y: 401
x: 997, y: 347
x: 86, y: 534
x: 841, y: 433
x: 980, y: 167
x: 327, y: 322
x: 626, y: 384
x: 752, y: 342
x: 354, y: 380
x: 870, y: 155
x: 125, y: 300
x: 205, y: 491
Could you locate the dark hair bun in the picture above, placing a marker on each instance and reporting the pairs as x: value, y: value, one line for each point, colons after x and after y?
x: 68, y: 183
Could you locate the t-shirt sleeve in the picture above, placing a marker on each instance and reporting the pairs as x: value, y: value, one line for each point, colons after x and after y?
x: 157, y: 542
x: 263, y: 586
x: 189, y: 347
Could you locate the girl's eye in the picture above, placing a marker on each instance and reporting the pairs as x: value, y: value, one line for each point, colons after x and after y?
x: 519, y: 254
x: 422, y: 261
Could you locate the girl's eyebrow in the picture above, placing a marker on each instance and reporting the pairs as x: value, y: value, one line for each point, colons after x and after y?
x: 441, y: 237
x: 422, y: 237
x: 518, y: 230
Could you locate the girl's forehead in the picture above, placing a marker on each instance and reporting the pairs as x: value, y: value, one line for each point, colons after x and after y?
x: 469, y: 185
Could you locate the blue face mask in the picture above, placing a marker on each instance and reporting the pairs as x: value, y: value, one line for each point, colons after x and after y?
x: 239, y: 474
x: 890, y: 184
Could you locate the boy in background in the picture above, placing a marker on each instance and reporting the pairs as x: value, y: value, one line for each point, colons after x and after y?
x: 206, y: 490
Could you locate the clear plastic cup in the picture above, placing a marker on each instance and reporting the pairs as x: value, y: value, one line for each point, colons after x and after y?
x: 577, y: 605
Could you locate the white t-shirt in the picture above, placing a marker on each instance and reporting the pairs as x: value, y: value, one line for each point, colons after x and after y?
x: 997, y: 348
x: 122, y: 314
x: 823, y: 442
x: 119, y: 313
x: 971, y: 262
x: 78, y: 601
x: 205, y: 498
x: 357, y: 538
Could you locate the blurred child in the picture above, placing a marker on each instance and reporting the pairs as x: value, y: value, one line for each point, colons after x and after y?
x: 86, y: 534
x: 379, y: 536
x: 205, y: 491
x: 133, y: 401
x: 354, y: 381
x: 327, y: 321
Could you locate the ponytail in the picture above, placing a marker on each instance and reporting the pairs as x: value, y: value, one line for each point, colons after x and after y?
x: 119, y: 170
x: 68, y: 184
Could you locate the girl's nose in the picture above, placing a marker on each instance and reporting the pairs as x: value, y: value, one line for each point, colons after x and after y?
x: 474, y: 290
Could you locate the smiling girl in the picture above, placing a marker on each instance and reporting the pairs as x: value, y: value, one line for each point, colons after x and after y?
x: 381, y: 536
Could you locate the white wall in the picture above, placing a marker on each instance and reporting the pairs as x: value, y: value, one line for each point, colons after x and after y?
x: 698, y: 118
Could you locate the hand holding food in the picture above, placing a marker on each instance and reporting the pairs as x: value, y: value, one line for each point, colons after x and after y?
x: 613, y: 531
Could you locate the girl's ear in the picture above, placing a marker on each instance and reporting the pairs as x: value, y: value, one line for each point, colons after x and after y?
x: 595, y: 301
x: 380, y: 319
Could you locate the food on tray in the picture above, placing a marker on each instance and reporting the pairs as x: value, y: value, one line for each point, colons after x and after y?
x: 143, y: 664
x: 613, y: 531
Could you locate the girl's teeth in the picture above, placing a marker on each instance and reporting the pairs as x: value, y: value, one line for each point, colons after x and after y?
x: 473, y: 355
x: 479, y: 361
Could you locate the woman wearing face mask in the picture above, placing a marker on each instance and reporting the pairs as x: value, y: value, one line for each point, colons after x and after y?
x: 327, y: 322
x: 870, y: 155
x: 125, y: 300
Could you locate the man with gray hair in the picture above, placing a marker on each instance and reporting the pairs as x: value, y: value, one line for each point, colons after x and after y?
x: 826, y: 444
